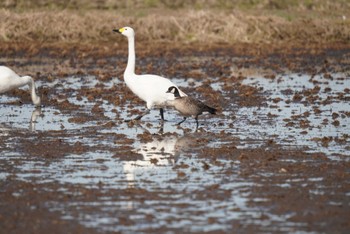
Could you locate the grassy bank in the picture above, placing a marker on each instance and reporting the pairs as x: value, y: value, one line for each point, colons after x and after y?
x: 183, y: 22
x: 338, y: 6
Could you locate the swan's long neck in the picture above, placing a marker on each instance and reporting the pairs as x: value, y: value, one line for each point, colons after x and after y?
x: 130, y: 67
x: 36, y: 100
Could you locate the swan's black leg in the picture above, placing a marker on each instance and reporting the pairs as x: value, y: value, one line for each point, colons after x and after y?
x: 161, y: 110
x: 181, y: 121
x: 139, y: 117
x: 143, y: 114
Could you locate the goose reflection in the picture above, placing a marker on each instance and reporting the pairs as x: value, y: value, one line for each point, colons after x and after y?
x: 156, y: 158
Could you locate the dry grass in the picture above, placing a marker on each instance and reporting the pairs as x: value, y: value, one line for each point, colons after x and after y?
x: 318, y: 5
x: 181, y: 26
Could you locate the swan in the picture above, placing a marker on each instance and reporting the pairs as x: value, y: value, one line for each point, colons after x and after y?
x: 150, y: 88
x: 10, y: 80
x: 189, y: 106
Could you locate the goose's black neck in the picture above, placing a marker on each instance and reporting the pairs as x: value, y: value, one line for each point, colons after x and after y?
x: 176, y: 93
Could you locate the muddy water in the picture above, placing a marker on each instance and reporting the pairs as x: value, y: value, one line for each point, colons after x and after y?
x: 325, y: 117
x: 272, y: 167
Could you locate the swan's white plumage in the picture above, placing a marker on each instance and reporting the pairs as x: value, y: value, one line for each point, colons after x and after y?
x: 10, y: 80
x: 150, y: 88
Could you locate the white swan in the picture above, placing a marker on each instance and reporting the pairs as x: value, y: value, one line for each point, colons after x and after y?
x: 150, y: 88
x: 10, y: 80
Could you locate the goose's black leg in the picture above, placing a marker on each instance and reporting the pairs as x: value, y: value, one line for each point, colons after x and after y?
x: 161, y: 110
x: 196, y: 121
x: 181, y: 121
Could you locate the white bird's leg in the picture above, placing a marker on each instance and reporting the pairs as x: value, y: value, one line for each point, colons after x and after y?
x: 181, y: 121
x: 161, y: 113
x: 143, y: 114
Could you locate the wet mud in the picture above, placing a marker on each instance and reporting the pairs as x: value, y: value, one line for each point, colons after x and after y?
x: 275, y: 159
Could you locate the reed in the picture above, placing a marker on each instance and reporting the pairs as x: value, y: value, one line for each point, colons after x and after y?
x: 93, y: 24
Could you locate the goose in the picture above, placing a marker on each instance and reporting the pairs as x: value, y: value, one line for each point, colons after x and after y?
x: 188, y: 106
x: 150, y: 88
x: 10, y: 80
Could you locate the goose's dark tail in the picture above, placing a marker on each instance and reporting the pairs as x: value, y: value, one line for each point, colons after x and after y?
x: 211, y: 110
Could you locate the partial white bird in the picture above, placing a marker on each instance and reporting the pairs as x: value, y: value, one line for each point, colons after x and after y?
x: 10, y: 80
x: 150, y: 88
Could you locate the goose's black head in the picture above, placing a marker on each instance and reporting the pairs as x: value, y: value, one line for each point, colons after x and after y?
x: 174, y: 91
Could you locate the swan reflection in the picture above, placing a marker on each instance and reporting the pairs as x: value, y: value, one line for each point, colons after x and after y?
x: 156, y: 158
x: 36, y: 113
x: 10, y: 120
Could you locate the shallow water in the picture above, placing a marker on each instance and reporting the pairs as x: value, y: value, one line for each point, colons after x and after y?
x: 286, y: 108
x: 170, y: 162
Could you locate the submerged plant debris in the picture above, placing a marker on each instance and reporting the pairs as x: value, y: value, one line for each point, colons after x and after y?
x: 275, y: 158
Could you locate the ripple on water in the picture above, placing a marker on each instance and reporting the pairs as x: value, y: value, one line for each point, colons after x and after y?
x: 169, y: 164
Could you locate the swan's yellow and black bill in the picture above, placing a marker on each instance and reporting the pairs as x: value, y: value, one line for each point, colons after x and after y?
x: 118, y: 30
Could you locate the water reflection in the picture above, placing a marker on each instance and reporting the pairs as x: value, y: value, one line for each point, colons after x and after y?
x: 167, y: 160
x: 11, y: 116
x: 33, y: 120
x: 162, y: 152
x: 304, y: 108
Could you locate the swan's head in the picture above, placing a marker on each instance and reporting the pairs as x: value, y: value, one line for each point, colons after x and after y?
x: 126, y: 31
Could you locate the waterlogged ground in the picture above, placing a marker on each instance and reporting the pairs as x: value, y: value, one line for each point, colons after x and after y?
x: 275, y: 159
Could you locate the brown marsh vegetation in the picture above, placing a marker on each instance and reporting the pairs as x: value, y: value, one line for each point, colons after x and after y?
x: 275, y: 160
x: 177, y: 22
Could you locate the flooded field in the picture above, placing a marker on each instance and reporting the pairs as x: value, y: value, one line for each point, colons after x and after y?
x: 275, y: 159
